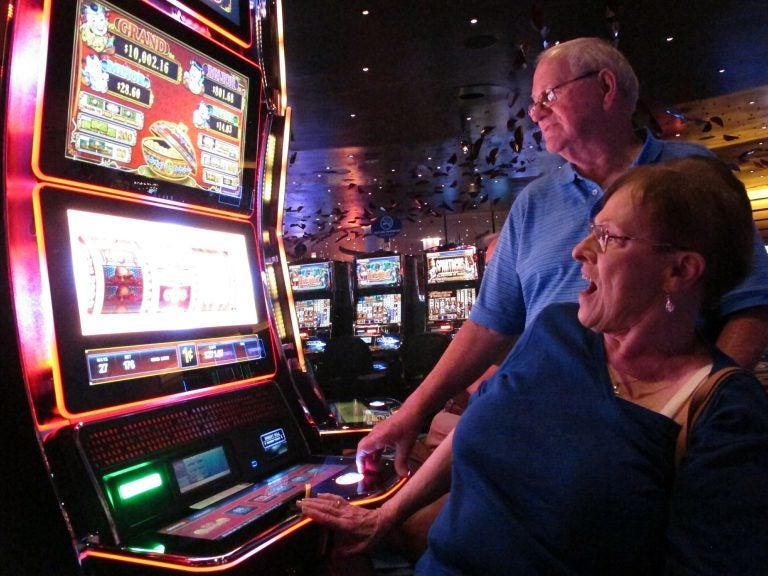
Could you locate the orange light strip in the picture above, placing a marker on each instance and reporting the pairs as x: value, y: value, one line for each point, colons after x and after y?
x: 281, y: 59
x: 345, y: 431
x: 281, y: 186
x: 36, y: 141
x: 195, y: 569
x: 385, y: 496
x: 211, y: 24
x: 220, y: 567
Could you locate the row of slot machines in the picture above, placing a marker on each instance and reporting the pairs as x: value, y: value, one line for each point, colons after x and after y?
x: 150, y: 420
x: 384, y: 297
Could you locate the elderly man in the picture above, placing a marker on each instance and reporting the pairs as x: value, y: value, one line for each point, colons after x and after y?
x: 584, y: 95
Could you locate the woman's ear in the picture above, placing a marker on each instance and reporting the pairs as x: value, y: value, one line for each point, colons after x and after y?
x: 685, y: 270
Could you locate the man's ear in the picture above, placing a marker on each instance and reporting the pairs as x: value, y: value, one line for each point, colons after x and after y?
x: 608, y: 85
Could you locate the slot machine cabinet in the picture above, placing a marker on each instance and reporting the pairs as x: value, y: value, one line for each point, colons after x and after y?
x: 152, y: 428
x: 314, y: 407
x: 452, y: 280
x: 379, y: 300
x: 322, y: 296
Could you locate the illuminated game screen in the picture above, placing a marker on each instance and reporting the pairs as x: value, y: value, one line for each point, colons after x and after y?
x: 450, y: 304
x: 199, y: 469
x: 152, y: 113
x: 387, y: 341
x: 379, y: 309
x: 218, y: 522
x: 130, y: 274
x: 309, y: 277
x: 451, y: 266
x: 378, y: 271
x: 149, y: 301
x: 314, y: 313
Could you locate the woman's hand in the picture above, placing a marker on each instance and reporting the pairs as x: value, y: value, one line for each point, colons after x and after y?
x: 359, y: 528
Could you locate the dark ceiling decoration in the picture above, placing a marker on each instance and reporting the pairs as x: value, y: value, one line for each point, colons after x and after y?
x: 419, y: 111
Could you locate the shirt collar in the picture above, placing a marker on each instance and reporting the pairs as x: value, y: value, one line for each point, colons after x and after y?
x: 650, y: 153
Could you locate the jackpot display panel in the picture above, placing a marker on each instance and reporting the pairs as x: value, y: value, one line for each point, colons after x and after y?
x: 149, y: 389
x: 452, y: 283
x: 379, y: 300
x: 131, y: 106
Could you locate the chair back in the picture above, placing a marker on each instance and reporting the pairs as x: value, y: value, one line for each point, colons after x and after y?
x: 342, y: 364
x: 419, y: 353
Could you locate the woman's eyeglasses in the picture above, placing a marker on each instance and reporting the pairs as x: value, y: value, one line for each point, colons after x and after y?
x: 603, y: 237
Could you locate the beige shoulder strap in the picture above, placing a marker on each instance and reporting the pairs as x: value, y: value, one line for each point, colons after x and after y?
x: 699, y: 400
x: 674, y: 404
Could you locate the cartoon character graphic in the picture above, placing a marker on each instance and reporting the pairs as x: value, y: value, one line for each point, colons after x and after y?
x: 194, y: 78
x: 201, y: 116
x: 94, y: 75
x: 94, y: 31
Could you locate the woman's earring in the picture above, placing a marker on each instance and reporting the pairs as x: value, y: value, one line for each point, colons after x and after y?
x: 669, y: 306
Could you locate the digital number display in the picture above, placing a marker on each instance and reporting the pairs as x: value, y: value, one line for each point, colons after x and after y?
x: 143, y: 102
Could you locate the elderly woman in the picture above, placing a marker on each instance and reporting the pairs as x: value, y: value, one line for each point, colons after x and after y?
x: 576, y: 473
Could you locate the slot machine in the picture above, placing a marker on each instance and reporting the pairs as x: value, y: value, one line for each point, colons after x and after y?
x: 379, y: 300
x: 452, y: 284
x: 152, y: 424
x: 322, y: 296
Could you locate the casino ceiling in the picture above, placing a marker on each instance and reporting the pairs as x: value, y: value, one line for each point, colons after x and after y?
x: 415, y: 109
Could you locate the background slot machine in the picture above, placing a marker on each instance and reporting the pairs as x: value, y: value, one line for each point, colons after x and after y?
x: 452, y: 283
x: 151, y: 424
x: 379, y: 289
x: 321, y: 293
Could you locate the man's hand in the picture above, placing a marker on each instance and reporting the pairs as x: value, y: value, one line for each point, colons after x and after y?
x: 399, y: 431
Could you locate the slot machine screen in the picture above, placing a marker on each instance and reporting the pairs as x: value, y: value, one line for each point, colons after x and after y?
x: 378, y: 271
x: 310, y: 277
x: 452, y: 266
x: 387, y: 341
x: 378, y: 309
x: 150, y: 301
x: 450, y: 304
x: 315, y: 313
x: 130, y: 104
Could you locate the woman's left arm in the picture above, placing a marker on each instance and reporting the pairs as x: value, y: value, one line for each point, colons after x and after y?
x: 719, y: 505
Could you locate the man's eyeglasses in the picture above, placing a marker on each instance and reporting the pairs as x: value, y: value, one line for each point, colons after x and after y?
x: 603, y: 237
x: 549, y: 96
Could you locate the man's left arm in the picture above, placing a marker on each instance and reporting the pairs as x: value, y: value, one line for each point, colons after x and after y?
x: 744, y: 336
